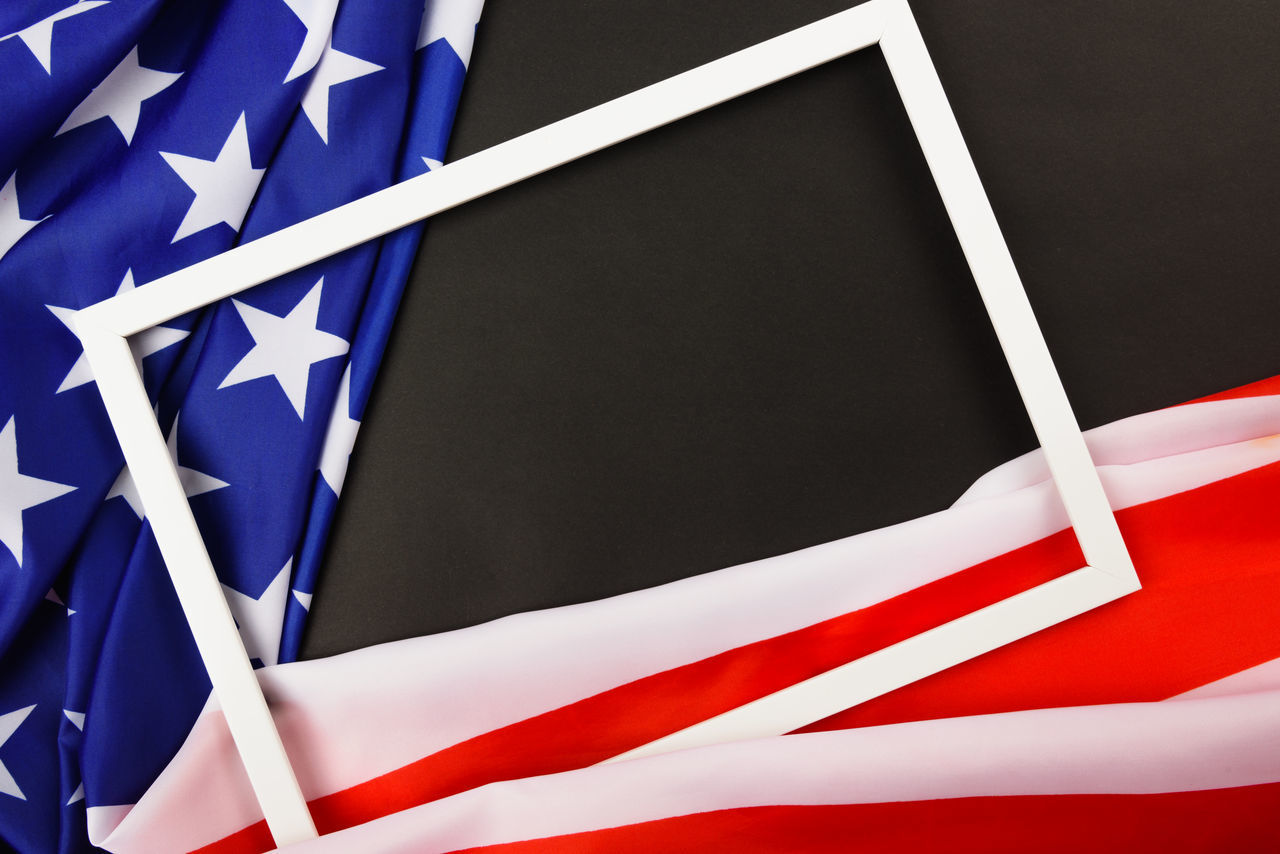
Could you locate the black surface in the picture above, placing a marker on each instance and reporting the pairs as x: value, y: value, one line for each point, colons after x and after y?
x: 753, y: 330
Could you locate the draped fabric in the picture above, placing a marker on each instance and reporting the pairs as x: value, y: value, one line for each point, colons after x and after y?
x: 141, y: 136
x: 1149, y: 724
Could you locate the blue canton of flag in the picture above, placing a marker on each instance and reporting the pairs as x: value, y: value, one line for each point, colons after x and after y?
x: 141, y: 136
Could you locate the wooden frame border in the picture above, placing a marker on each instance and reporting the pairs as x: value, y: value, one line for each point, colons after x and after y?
x: 1108, y: 574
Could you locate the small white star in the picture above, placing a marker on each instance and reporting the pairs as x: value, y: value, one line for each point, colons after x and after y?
x: 19, y: 492
x: 143, y: 344
x: 224, y: 186
x: 340, y: 438
x: 317, y: 17
x: 335, y: 67
x: 304, y: 599
x: 39, y: 36
x: 12, y: 225
x: 286, y: 347
x: 261, y: 620
x: 193, y: 482
x: 120, y: 96
x: 78, y: 795
x: 452, y: 20
x: 8, y: 724
x: 432, y: 163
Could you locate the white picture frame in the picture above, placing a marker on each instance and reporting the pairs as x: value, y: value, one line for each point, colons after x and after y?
x: 1108, y: 573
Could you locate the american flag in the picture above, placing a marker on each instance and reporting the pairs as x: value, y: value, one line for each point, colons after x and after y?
x: 140, y: 137
x: 146, y: 136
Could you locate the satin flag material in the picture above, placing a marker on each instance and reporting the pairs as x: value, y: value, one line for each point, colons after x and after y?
x: 1150, y: 724
x: 139, y: 137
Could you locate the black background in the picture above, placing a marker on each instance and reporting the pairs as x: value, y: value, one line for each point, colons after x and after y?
x: 753, y: 330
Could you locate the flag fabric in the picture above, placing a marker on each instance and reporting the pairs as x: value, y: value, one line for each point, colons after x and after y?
x: 142, y: 136
x: 1149, y: 724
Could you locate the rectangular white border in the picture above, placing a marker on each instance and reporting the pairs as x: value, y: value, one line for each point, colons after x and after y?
x: 1109, y: 573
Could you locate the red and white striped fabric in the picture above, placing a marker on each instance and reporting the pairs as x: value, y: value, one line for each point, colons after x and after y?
x: 1152, y: 723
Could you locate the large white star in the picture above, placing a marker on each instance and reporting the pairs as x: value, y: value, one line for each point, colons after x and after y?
x: 340, y: 438
x: 261, y: 620
x: 12, y: 225
x: 193, y: 482
x: 317, y: 17
x: 452, y: 20
x: 335, y: 67
x: 120, y: 96
x: 39, y: 36
x: 8, y: 724
x: 224, y: 186
x: 18, y: 491
x: 286, y: 347
x: 143, y: 344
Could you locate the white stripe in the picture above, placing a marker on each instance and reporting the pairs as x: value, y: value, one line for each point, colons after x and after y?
x: 1167, y: 432
x: 1118, y: 749
x: 1263, y: 677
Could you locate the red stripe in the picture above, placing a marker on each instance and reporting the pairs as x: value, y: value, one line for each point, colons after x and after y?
x: 1207, y: 558
x: 1262, y: 388
x: 1221, y: 820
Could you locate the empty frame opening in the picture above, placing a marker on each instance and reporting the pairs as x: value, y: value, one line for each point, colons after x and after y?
x: 741, y: 334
